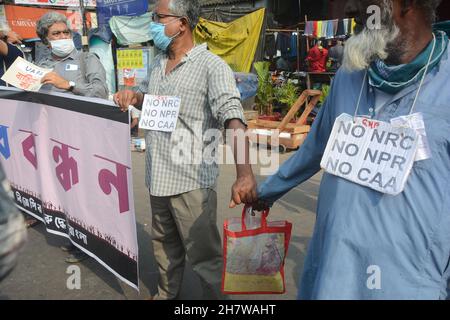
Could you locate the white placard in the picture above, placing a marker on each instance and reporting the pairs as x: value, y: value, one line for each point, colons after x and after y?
x: 371, y: 153
x: 25, y: 75
x: 160, y: 113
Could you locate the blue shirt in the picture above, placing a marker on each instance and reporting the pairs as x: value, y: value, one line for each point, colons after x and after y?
x: 8, y: 60
x: 362, y: 236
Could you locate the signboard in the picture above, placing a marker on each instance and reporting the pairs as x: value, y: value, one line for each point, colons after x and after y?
x: 133, y: 78
x: 130, y: 59
x: 109, y: 8
x: 160, y: 113
x: 22, y: 20
x: 371, y: 153
x: 25, y: 75
x: 57, y: 3
x: 79, y: 187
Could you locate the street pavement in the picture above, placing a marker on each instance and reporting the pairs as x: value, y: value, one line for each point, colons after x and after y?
x: 42, y: 272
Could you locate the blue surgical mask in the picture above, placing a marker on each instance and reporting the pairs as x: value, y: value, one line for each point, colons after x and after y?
x: 160, y: 39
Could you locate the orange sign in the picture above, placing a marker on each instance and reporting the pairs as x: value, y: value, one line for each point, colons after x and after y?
x: 22, y: 20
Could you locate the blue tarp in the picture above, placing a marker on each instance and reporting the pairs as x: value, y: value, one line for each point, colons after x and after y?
x: 247, y: 84
x: 109, y: 8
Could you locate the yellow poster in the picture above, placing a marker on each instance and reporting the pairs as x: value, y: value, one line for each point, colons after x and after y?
x: 235, y: 42
x: 130, y: 59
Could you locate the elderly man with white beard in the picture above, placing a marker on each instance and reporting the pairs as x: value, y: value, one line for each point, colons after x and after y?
x: 382, y: 232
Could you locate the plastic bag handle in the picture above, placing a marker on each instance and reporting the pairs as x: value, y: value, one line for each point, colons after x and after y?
x: 264, y: 215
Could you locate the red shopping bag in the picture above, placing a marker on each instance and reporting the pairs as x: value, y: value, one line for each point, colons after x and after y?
x: 254, y: 252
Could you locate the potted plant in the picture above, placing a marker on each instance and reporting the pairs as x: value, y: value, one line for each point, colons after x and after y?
x: 286, y: 95
x: 266, y: 93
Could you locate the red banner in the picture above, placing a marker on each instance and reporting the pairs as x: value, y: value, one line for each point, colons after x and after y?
x: 23, y: 20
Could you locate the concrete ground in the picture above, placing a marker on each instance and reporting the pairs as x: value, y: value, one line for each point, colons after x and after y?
x: 41, y: 271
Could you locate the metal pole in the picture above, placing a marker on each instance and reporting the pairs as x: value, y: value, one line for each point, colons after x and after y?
x: 298, y: 35
x: 298, y: 49
x: 307, y: 38
x: 84, y: 38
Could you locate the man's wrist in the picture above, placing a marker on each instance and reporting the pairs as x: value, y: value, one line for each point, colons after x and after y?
x: 244, y: 170
x: 71, y: 85
x: 140, y: 99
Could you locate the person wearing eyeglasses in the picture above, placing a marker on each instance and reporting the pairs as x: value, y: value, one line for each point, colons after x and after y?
x: 183, y: 194
x: 74, y: 72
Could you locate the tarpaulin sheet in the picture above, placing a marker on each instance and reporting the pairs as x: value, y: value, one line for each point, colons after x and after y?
x: 131, y: 30
x: 235, y: 42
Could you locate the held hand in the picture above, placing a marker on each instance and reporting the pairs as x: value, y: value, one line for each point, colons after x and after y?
x: 56, y: 80
x: 125, y: 98
x: 243, y: 191
x: 260, y: 205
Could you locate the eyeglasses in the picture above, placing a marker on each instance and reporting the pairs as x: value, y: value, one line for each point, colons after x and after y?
x: 158, y: 16
x: 58, y: 33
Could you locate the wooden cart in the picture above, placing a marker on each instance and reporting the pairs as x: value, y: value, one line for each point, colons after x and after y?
x: 284, y: 134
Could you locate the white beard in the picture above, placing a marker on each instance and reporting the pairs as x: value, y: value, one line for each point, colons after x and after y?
x: 362, y: 49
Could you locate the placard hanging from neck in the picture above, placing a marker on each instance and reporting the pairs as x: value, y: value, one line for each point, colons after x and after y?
x: 371, y: 153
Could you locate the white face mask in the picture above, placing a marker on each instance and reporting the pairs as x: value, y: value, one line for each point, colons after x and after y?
x: 62, y: 47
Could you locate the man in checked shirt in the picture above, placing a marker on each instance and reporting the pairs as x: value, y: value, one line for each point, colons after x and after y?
x: 182, y: 195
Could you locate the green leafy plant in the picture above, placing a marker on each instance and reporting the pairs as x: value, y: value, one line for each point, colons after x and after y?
x: 265, y: 94
x: 287, y: 94
x: 325, y: 93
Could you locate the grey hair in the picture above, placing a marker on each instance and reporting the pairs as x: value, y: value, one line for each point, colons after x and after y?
x: 363, y: 48
x: 186, y: 8
x: 46, y: 21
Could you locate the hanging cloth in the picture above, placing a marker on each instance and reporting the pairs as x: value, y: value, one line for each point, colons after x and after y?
x: 319, y: 29
x: 316, y: 26
x: 330, y: 30
x: 349, y: 26
x: 346, y: 26
x: 340, y: 28
x: 294, y: 46
x: 325, y: 34
x: 270, y: 48
x: 309, y: 28
x: 353, y: 23
x: 324, y: 29
x: 335, y: 27
x: 306, y: 31
x: 284, y: 43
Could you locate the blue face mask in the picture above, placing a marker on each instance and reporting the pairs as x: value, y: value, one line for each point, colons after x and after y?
x: 160, y: 39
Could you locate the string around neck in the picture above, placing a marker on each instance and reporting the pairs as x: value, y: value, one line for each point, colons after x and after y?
x: 424, y: 76
x: 360, y: 95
